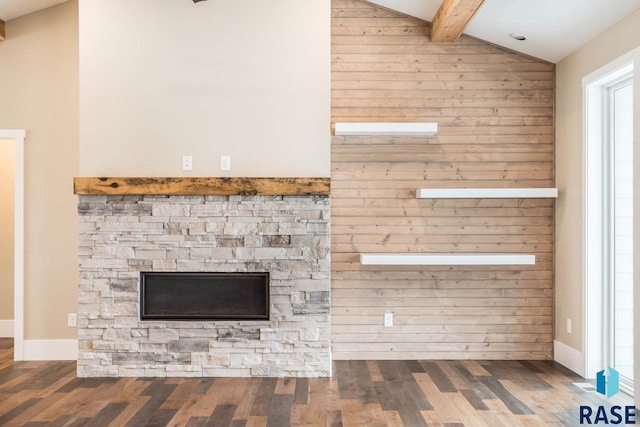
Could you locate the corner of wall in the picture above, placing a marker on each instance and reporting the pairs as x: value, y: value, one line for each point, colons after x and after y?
x: 6, y: 328
x: 569, y: 357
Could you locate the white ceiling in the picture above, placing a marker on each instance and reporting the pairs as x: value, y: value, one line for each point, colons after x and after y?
x: 554, y: 28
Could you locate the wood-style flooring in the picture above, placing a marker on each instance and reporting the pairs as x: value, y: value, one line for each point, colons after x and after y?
x: 361, y: 393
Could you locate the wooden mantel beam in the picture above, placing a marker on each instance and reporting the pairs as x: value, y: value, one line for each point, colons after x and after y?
x: 1, y: 30
x: 202, y: 186
x: 452, y: 18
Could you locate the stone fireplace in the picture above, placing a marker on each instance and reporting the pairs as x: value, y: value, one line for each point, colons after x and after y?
x: 121, y: 236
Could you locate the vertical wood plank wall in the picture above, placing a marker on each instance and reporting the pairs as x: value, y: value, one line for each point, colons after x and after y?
x: 494, y: 109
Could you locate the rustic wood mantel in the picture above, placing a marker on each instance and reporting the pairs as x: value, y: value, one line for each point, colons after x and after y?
x: 202, y: 186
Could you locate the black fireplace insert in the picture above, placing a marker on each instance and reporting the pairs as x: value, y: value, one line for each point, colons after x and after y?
x: 204, y: 296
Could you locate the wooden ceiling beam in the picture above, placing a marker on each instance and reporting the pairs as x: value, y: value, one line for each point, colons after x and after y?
x: 1, y: 30
x: 452, y: 18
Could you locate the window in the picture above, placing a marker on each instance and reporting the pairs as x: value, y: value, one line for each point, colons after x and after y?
x: 620, y: 239
x: 609, y: 222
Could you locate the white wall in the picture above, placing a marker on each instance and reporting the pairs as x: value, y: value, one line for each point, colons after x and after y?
x: 39, y: 93
x: 608, y: 46
x: 164, y: 78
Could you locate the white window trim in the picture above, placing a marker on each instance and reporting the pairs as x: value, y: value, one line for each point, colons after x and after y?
x: 593, y: 243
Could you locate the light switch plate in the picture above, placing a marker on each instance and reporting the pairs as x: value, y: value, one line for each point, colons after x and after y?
x: 388, y: 319
x: 72, y: 320
x: 225, y: 163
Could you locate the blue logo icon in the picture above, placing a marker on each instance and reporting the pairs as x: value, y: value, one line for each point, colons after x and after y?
x: 608, y: 386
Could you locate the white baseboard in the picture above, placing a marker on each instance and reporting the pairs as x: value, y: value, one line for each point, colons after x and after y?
x: 6, y: 328
x: 50, y: 350
x: 569, y: 357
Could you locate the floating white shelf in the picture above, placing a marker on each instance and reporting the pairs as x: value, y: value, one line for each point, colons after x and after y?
x: 427, y: 129
x: 447, y: 259
x: 486, y: 193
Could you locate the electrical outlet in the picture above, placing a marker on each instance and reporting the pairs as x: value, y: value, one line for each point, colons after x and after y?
x: 568, y: 326
x: 388, y: 319
x: 187, y: 163
x: 72, y: 320
x: 225, y: 163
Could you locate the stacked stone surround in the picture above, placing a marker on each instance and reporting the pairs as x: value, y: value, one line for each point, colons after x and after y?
x: 120, y: 236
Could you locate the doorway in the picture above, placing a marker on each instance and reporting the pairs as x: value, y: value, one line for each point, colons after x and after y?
x: 7, y: 178
x: 15, y: 139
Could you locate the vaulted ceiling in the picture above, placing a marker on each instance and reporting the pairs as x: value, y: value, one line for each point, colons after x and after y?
x: 10, y: 9
x: 553, y: 29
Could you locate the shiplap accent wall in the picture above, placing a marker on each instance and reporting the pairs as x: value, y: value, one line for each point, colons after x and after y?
x: 494, y: 110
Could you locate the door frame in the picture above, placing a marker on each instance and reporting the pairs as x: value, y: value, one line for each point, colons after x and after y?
x: 18, y: 136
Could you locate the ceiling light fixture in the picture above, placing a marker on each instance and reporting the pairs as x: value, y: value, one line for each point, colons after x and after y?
x: 514, y: 36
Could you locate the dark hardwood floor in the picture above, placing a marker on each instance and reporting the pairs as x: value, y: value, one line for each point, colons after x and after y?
x: 361, y: 393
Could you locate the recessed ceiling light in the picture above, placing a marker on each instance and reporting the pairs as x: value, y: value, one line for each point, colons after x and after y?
x: 517, y: 37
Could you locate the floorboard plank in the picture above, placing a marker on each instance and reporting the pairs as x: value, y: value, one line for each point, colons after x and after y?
x: 438, y: 377
x: 18, y: 410
x: 365, y: 391
x: 263, y: 398
x: 222, y: 416
x: 509, y: 400
x: 301, y: 395
x: 280, y: 410
x: 159, y: 392
x: 107, y: 414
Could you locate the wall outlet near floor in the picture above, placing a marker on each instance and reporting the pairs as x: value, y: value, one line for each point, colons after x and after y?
x: 72, y: 320
x: 568, y: 326
x: 187, y: 163
x: 225, y: 163
x: 388, y: 319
